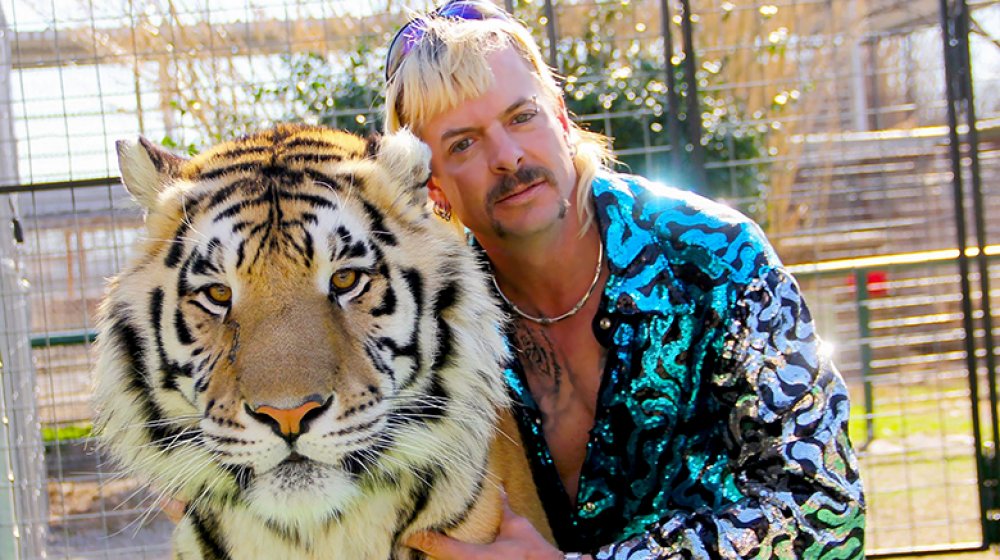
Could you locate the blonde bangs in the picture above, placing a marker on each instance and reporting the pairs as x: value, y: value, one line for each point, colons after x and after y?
x: 446, y: 67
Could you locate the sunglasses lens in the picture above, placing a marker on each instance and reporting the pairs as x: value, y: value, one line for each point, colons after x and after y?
x: 464, y: 10
x: 411, y: 33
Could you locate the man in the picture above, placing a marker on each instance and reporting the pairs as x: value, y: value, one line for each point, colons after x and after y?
x: 671, y: 391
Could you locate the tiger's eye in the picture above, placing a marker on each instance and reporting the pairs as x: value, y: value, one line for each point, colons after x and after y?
x: 344, y: 280
x: 219, y: 294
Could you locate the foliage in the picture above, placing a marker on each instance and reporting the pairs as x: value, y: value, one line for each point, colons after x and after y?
x: 342, y: 91
x: 349, y: 97
x: 66, y: 433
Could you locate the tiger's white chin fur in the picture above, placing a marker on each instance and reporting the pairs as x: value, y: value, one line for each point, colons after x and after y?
x: 301, y: 493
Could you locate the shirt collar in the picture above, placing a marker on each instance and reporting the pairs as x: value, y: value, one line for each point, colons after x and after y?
x: 642, y: 279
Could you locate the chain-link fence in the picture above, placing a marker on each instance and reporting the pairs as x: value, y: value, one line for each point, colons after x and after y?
x: 826, y: 120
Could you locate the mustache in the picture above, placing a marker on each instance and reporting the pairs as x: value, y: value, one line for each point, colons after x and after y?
x: 507, y: 184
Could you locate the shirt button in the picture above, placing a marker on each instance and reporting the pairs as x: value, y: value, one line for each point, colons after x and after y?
x: 604, y: 323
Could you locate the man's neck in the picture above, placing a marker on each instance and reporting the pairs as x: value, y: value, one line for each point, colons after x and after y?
x: 548, y: 273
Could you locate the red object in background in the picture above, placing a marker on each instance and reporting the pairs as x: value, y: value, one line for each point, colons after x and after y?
x: 877, y: 281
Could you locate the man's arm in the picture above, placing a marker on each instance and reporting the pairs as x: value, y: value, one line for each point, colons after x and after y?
x: 791, y: 456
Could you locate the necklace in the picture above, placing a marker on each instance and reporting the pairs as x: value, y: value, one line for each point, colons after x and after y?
x: 579, y: 305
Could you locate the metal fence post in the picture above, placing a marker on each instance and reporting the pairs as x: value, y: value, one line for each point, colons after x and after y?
x: 23, y: 497
x: 865, y: 350
x: 553, y: 35
x: 697, y: 165
x: 958, y: 43
x: 958, y: 80
x: 673, y: 121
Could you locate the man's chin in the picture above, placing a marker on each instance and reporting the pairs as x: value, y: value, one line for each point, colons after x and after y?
x: 528, y: 222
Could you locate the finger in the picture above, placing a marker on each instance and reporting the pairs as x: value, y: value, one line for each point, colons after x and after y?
x: 505, y: 501
x: 173, y: 508
x: 440, y: 546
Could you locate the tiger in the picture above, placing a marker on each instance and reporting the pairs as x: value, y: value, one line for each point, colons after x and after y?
x: 305, y: 356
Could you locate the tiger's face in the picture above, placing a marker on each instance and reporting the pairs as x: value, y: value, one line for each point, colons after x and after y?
x: 297, y: 329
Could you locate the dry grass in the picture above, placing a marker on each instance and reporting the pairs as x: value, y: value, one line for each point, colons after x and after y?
x: 919, y: 470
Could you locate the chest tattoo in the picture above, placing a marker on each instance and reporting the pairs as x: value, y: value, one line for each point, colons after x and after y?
x: 538, y: 354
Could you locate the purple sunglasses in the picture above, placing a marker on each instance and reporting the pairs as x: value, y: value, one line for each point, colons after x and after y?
x: 411, y: 33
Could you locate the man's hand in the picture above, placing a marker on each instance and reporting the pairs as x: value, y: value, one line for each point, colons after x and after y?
x: 517, y: 540
x: 173, y: 508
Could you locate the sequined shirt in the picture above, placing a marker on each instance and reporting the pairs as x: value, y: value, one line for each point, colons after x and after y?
x: 720, y: 428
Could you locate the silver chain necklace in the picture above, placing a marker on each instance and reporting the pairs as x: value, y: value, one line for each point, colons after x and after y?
x: 579, y: 305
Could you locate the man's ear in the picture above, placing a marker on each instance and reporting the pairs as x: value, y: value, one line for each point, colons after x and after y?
x: 435, y: 193
x: 562, y: 114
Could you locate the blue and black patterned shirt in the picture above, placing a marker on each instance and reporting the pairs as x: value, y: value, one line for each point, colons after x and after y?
x: 721, y: 427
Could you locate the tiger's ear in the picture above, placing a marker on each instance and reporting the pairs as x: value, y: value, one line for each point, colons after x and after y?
x: 146, y: 169
x: 408, y: 162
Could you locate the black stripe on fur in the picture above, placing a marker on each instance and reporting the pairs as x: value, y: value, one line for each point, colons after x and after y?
x: 210, y: 542
x: 245, y: 167
x: 183, y: 331
x: 432, y: 407
x: 241, y: 475
x: 321, y: 179
x: 311, y: 199
x: 124, y: 335
x: 312, y: 144
x: 379, y: 363
x: 420, y: 495
x: 171, y: 369
x: 388, y: 304
x: 176, y: 251
x: 470, y: 504
x: 223, y: 194
x: 446, y: 299
x: 379, y: 230
x: 361, y: 462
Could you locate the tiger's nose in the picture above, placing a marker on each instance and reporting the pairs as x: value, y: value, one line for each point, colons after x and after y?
x: 290, y: 423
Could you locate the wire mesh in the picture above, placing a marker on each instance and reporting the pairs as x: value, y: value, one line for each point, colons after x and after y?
x: 823, y: 120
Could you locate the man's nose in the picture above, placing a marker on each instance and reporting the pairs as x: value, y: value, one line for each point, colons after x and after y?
x: 507, y: 154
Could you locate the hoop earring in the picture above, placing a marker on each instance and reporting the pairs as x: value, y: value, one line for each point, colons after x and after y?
x: 442, y: 211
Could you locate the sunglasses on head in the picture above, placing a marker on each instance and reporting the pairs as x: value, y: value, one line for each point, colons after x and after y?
x: 411, y: 33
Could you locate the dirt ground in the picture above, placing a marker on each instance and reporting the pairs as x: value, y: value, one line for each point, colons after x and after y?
x: 91, y: 520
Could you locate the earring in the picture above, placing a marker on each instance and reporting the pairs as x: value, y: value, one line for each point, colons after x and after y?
x: 442, y: 211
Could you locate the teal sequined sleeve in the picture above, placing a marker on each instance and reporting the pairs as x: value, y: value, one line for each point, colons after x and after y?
x: 787, y: 442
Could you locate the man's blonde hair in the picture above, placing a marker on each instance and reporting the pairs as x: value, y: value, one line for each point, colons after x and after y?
x: 448, y: 65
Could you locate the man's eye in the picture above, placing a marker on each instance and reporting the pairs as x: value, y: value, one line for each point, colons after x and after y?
x: 524, y: 117
x: 460, y: 146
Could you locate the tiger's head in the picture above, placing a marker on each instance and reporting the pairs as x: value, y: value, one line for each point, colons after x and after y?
x: 295, y: 327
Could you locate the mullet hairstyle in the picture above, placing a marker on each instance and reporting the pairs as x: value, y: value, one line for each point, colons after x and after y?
x: 448, y: 66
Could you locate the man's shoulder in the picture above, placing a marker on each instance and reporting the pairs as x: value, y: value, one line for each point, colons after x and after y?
x: 695, y: 229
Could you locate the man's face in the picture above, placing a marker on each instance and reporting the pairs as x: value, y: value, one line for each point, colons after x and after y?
x: 502, y: 160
